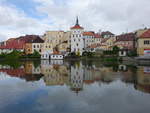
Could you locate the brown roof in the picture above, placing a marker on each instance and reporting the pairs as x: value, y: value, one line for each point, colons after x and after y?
x: 125, y: 37
x: 28, y: 38
x: 36, y: 39
x: 146, y: 34
x: 106, y: 33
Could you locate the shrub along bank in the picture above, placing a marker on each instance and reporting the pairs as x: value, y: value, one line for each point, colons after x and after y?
x: 19, y: 55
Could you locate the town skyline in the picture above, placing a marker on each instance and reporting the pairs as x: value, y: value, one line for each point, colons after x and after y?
x: 37, y: 16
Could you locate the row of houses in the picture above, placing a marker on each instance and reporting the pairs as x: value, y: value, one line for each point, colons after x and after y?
x: 57, y: 44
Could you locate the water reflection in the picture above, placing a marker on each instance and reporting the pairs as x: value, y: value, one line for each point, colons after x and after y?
x: 77, y: 74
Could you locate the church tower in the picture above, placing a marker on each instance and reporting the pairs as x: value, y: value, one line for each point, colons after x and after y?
x: 77, y: 43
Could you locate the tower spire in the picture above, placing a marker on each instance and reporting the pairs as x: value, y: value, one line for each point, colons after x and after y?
x: 77, y: 21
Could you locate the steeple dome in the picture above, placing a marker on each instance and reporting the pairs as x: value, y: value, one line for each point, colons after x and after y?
x: 77, y: 26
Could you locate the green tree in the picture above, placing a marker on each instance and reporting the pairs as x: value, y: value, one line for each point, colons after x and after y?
x: 36, y: 54
x: 13, y: 55
x: 115, y: 49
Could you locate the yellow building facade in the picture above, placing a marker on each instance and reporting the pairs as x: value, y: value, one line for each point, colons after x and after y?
x: 143, y: 44
x: 55, y: 40
x: 28, y: 48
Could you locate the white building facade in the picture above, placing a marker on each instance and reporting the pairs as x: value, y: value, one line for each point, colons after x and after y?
x: 77, y: 43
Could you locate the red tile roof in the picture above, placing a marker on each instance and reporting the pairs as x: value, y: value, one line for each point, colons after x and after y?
x: 19, y: 43
x: 13, y: 44
x: 97, y: 35
x: 89, y: 34
x: 77, y: 27
x: 146, y: 34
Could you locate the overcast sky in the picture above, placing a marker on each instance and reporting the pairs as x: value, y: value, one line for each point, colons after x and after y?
x: 20, y: 17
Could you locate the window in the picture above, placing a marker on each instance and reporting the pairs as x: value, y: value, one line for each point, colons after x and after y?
x: 146, y: 42
x: 37, y: 46
x: 34, y: 46
x: 77, y: 44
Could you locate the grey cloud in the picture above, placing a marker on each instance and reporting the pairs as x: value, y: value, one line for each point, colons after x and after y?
x: 114, y: 15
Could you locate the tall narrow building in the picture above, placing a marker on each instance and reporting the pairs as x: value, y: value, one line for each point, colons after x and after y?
x: 77, y: 43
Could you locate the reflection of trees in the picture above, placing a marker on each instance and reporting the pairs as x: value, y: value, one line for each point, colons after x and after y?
x: 11, y: 63
x: 36, y: 63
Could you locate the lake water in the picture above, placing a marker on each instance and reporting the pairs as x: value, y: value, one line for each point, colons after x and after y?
x: 73, y: 87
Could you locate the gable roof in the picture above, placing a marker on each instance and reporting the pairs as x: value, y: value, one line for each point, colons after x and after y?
x: 146, y: 34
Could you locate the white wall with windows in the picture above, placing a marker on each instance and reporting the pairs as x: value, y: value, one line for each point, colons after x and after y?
x: 36, y: 47
x: 77, y: 43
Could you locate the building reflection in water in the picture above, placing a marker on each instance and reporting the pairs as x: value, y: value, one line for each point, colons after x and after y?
x: 143, y: 79
x: 76, y: 74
